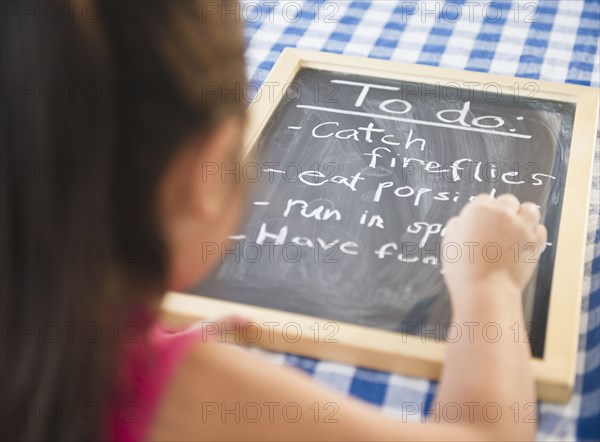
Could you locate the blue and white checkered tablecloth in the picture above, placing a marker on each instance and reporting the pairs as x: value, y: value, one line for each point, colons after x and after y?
x: 548, y: 40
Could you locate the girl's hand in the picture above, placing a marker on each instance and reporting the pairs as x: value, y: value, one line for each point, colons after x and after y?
x: 219, y: 328
x: 492, y: 241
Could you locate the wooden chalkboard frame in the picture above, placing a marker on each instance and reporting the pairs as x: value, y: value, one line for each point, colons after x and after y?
x: 406, y: 354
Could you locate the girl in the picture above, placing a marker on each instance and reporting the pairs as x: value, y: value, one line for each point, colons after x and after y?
x: 106, y: 125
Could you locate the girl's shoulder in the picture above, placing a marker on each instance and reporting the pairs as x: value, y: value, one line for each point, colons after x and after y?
x: 146, y: 368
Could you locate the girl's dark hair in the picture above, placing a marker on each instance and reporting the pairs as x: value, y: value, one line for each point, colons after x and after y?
x: 96, y: 99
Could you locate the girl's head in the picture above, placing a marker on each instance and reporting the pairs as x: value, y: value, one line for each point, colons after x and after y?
x: 115, y: 118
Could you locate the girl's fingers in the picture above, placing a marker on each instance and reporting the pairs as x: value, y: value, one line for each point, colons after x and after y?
x: 541, y: 235
x: 451, y: 224
x: 509, y: 202
x: 530, y: 214
x: 221, y: 324
x: 485, y: 198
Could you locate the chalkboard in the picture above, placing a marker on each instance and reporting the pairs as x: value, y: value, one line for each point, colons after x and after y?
x: 356, y: 177
x: 354, y: 167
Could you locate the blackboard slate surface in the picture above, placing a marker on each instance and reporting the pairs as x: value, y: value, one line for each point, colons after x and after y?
x: 348, y: 281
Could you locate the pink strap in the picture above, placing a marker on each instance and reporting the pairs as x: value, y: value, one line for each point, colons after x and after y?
x: 146, y: 370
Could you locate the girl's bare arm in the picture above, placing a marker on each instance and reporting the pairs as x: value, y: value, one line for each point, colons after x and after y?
x: 224, y: 393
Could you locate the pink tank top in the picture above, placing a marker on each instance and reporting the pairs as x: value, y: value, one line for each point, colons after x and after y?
x: 144, y: 372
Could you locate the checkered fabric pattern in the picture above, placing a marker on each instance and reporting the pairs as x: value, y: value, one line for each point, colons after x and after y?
x: 547, y: 40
